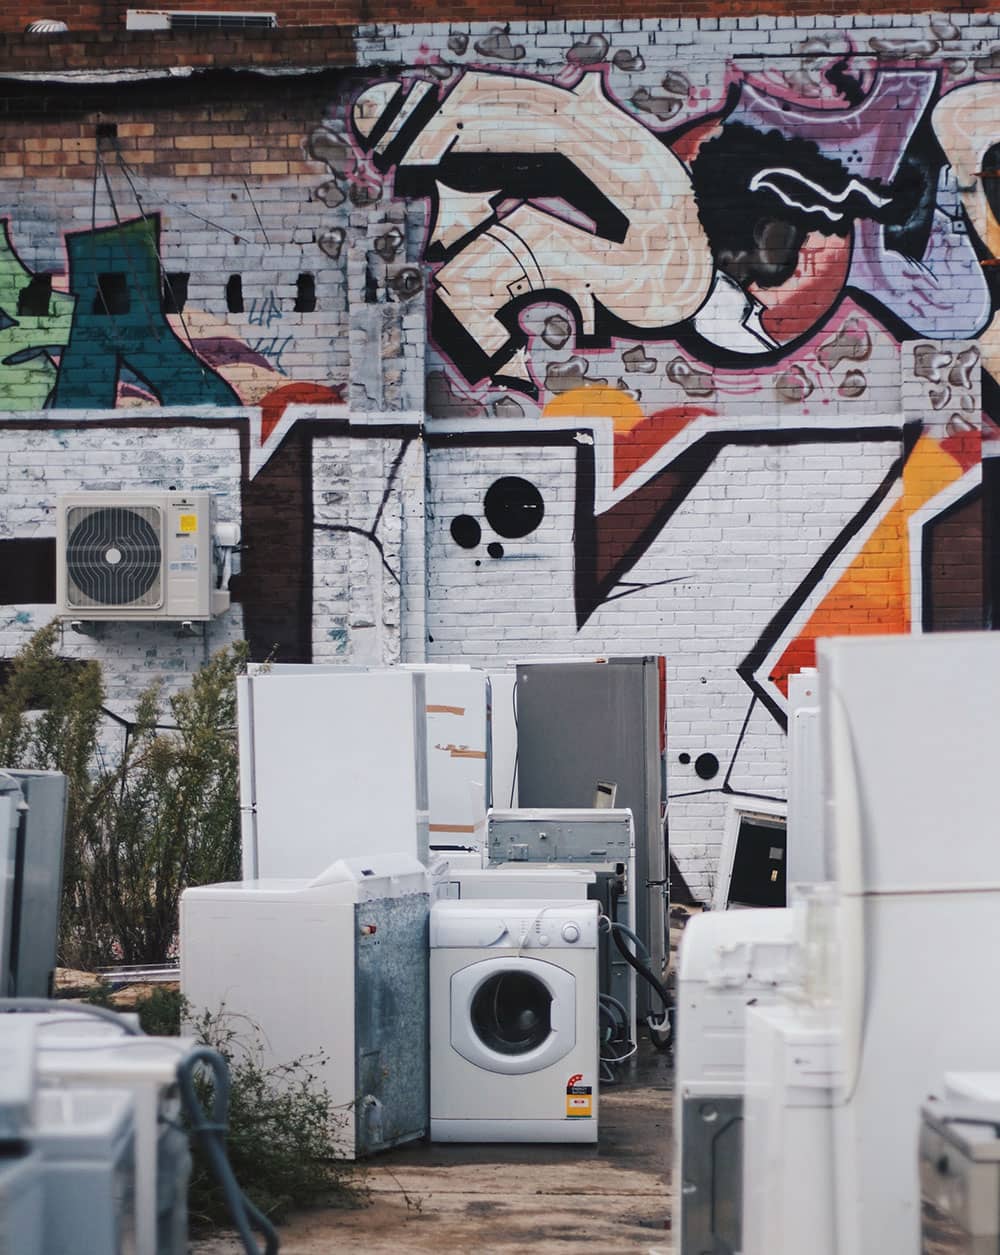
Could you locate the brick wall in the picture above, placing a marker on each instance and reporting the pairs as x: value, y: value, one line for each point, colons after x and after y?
x: 668, y: 335
x: 109, y: 15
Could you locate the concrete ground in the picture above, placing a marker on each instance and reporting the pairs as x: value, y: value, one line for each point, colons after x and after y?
x: 611, y: 1199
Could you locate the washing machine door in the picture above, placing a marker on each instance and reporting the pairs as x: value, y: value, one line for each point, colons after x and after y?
x: 513, y: 1015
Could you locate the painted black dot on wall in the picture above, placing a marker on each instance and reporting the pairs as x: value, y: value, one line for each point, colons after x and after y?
x: 513, y: 507
x: 684, y: 759
x: 465, y: 531
x: 495, y: 550
x: 706, y: 766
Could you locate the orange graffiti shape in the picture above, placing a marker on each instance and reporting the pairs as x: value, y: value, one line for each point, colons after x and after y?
x: 872, y: 597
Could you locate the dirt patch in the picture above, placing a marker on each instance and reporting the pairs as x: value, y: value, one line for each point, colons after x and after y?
x: 544, y: 1200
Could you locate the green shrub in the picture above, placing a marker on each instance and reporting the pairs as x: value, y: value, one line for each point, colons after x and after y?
x: 282, y: 1132
x: 141, y: 827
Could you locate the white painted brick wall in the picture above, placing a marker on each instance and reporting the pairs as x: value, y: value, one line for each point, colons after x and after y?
x: 36, y: 465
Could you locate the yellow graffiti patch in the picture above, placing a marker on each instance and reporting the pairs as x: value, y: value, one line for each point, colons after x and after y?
x: 597, y: 401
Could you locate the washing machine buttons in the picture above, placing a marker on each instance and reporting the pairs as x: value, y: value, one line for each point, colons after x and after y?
x: 571, y: 932
x: 544, y: 939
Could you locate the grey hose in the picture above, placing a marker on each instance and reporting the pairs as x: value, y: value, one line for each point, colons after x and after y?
x: 615, y: 1009
x: 210, y: 1130
x: 660, y: 1031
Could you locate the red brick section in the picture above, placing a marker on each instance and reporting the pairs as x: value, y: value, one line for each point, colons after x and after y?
x: 109, y: 15
x: 244, y: 138
x: 116, y: 48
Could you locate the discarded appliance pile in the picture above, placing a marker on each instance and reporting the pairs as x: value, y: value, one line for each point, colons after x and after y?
x: 452, y: 970
x: 462, y: 972
x: 838, y: 1059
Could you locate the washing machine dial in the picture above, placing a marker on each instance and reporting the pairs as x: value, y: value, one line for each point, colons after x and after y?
x: 571, y: 932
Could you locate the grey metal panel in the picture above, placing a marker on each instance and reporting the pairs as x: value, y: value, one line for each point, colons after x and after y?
x: 41, y: 881
x: 578, y: 723
x: 711, y: 1186
x: 391, y: 1021
x: 523, y: 837
x: 10, y: 800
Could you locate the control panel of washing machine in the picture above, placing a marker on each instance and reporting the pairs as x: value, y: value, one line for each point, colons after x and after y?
x: 524, y: 924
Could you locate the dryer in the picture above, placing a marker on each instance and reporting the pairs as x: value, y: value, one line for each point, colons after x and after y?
x: 514, y: 1027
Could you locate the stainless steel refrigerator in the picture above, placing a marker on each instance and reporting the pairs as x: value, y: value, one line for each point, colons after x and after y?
x: 581, y: 724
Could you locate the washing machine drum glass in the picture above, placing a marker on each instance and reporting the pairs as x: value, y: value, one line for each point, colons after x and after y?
x: 512, y: 1013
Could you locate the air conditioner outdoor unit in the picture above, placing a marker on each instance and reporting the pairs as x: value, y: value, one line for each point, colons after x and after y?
x: 184, y: 19
x: 132, y: 555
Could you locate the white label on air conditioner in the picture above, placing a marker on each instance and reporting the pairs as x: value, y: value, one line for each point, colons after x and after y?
x: 184, y: 566
x: 188, y: 553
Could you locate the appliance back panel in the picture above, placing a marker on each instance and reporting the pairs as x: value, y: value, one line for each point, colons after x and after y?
x: 558, y: 840
x: 391, y: 1009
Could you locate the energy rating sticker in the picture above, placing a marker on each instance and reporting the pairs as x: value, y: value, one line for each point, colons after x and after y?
x: 188, y: 523
x: 579, y: 1098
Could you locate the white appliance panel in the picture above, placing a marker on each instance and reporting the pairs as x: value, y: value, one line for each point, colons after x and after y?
x: 925, y: 1010
x: 788, y: 1206
x: 336, y: 761
x: 909, y: 760
x: 503, y: 764
x: 520, y: 880
x: 458, y: 756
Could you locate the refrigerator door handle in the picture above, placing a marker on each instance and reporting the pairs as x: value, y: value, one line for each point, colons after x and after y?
x: 846, y: 826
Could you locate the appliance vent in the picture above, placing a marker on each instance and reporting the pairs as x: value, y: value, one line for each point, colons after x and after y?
x: 170, y: 19
x: 114, y: 556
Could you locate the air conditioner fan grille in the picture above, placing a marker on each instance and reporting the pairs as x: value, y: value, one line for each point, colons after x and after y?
x: 114, y: 556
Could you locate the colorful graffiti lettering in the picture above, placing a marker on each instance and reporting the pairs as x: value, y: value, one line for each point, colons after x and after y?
x: 740, y: 250
x: 773, y: 246
x: 74, y: 349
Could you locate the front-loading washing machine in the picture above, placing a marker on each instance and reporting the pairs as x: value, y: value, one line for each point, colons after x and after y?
x: 514, y: 1021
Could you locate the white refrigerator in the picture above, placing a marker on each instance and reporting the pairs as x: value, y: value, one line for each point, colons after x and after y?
x: 909, y: 741
x: 333, y: 765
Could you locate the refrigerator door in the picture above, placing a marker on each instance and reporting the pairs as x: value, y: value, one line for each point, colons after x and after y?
x: 458, y: 756
x: 905, y: 721
x: 337, y: 765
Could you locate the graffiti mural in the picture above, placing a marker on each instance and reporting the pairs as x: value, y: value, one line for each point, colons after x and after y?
x: 740, y: 250
x: 719, y: 348
x: 780, y: 249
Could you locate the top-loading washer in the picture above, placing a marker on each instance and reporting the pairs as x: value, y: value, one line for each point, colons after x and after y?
x: 514, y: 1027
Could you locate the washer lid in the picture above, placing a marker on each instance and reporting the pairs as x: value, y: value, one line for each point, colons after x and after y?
x: 517, y: 924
